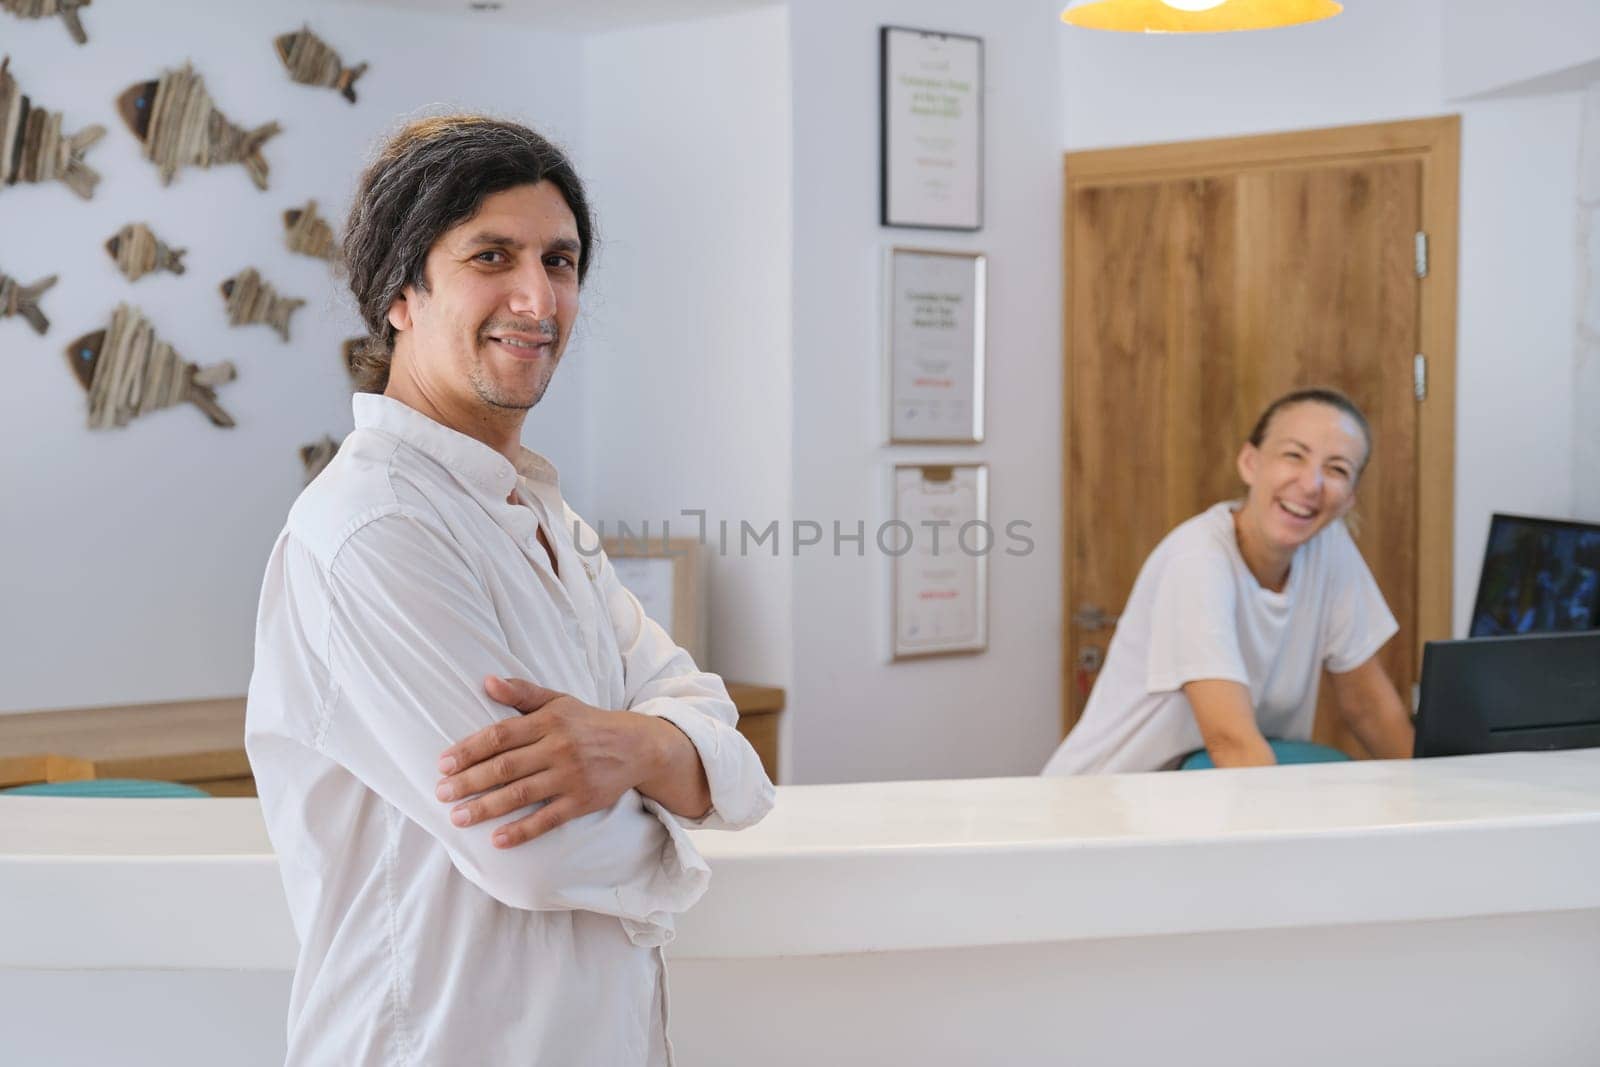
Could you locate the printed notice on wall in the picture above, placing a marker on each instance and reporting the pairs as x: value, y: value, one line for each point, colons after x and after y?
x: 940, y: 572
x: 649, y: 579
x: 933, y: 130
x: 936, y: 350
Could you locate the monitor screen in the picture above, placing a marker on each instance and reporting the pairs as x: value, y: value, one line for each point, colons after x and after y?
x: 1539, y: 576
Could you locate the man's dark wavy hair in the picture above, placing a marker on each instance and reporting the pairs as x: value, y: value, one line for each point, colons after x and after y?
x: 431, y: 175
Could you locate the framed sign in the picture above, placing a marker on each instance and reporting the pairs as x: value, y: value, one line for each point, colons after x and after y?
x: 931, y: 103
x: 934, y: 345
x: 668, y: 581
x: 940, y: 581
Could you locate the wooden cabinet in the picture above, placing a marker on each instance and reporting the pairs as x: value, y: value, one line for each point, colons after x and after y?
x: 201, y: 742
x: 759, y: 707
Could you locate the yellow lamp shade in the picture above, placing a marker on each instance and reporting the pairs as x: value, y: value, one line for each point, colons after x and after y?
x: 1158, y: 16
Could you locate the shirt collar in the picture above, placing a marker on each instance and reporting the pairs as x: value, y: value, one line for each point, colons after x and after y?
x: 475, y: 461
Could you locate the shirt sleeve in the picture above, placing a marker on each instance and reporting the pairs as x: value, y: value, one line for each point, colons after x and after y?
x: 411, y: 633
x: 1194, y: 627
x: 660, y: 678
x: 1359, y: 619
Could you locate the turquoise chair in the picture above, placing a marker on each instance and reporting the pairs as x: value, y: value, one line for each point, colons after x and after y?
x: 1286, y: 751
x: 107, y: 787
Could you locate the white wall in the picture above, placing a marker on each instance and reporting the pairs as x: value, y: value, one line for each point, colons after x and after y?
x: 130, y: 560
x: 1514, y: 410
x: 1491, y: 45
x: 687, y: 139
x: 1549, y: 49
x: 1586, y: 355
x: 1381, y: 60
x: 853, y: 715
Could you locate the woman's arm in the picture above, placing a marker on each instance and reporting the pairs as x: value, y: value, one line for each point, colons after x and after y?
x: 1370, y: 706
x: 1227, y: 723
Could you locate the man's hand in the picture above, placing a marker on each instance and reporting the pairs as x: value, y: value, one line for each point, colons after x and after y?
x: 567, y: 755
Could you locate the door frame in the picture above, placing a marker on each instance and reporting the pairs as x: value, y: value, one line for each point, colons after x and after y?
x: 1435, y: 143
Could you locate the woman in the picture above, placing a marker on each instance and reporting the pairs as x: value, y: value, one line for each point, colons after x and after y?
x: 1238, y: 610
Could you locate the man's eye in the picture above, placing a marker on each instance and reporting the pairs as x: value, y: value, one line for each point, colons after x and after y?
x: 562, y: 261
x: 490, y: 252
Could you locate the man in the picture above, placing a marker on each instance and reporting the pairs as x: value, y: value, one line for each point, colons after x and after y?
x: 471, y: 885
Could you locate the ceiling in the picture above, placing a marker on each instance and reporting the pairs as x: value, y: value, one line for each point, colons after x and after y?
x: 582, y: 16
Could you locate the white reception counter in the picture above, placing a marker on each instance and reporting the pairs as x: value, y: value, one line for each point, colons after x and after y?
x: 1443, y: 911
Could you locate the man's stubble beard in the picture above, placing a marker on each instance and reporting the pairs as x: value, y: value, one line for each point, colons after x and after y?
x: 490, y: 392
x: 495, y: 396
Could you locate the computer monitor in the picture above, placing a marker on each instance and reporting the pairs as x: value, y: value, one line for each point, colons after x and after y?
x: 1509, y: 694
x: 1539, y: 576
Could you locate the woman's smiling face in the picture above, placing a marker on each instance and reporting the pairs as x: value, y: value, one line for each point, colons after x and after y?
x: 1303, y: 474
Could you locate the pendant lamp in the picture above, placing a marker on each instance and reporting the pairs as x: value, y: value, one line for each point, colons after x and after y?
x: 1196, y: 16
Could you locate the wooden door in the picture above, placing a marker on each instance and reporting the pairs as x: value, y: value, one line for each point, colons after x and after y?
x: 1204, y: 280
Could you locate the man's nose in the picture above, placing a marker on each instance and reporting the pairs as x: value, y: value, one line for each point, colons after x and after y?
x: 532, y: 294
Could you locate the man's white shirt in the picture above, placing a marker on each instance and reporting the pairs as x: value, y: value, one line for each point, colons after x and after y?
x: 402, y: 578
x: 1196, y: 612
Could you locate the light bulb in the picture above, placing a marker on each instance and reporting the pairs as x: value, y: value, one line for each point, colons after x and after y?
x: 1186, y: 16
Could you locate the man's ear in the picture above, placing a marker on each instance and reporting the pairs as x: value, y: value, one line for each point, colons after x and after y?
x: 1249, y: 456
x: 399, y: 313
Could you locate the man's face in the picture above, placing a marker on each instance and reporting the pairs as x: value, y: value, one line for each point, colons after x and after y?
x: 501, y: 300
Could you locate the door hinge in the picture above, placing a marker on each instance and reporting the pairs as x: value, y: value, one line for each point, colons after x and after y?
x: 1419, y: 376
x: 1422, y: 254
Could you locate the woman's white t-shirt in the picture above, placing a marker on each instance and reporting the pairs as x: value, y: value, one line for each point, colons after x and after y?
x: 1197, y: 612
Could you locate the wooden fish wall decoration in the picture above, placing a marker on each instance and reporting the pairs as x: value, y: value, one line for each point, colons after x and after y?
x: 31, y: 146
x: 318, y: 455
x: 312, y: 62
x: 128, y: 371
x: 252, y: 300
x: 178, y: 125
x: 139, y: 252
x: 309, y: 233
x: 19, y: 299
x: 39, y: 9
x: 351, y: 350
